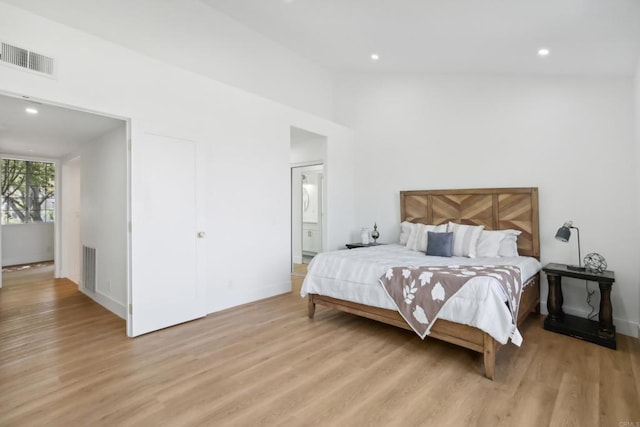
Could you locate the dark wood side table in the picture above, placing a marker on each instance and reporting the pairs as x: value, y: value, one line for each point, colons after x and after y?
x: 361, y: 245
x: 602, y: 332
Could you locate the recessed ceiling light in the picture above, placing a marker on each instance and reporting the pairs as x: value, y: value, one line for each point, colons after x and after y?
x: 31, y: 110
x: 375, y: 56
x: 543, y: 52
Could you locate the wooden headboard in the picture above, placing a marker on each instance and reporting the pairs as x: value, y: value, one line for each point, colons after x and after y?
x: 495, y: 208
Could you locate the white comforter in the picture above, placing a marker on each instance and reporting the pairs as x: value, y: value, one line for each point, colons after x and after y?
x: 353, y: 275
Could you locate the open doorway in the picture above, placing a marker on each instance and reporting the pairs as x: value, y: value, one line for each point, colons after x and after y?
x: 88, y: 205
x: 308, y: 195
x: 307, y: 189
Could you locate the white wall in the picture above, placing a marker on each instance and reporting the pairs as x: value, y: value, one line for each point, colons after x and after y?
x: 243, y: 141
x: 27, y: 243
x: 103, y: 215
x: 71, y: 244
x: 571, y: 137
x: 191, y: 35
x: 307, y: 147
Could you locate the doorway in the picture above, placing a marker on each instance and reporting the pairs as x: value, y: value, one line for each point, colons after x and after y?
x: 308, y: 197
x: 91, y: 197
x: 307, y: 190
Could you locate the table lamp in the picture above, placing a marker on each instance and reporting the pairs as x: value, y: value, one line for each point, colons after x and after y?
x: 564, y: 234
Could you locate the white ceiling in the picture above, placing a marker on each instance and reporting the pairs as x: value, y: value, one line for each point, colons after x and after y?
x: 586, y: 37
x: 52, y: 133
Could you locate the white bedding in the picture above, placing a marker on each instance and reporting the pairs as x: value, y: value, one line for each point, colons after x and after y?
x: 352, y: 275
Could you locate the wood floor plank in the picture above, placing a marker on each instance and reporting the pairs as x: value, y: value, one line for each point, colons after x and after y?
x: 64, y: 360
x: 618, y: 379
x: 577, y: 402
x: 530, y: 406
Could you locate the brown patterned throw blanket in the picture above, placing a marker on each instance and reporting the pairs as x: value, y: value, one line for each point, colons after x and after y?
x: 421, y: 292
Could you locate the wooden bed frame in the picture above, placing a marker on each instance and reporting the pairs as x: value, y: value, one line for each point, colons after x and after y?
x: 496, y: 209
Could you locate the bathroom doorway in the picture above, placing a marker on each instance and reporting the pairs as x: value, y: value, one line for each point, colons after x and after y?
x: 308, y: 195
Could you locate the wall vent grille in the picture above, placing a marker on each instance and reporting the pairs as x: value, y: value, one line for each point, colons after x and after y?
x: 27, y: 59
x: 89, y: 268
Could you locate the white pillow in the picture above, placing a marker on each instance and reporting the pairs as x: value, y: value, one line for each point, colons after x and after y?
x: 419, y: 235
x: 465, y: 239
x: 509, y: 245
x: 489, y: 243
x: 423, y: 239
x: 405, y: 231
x: 413, y: 236
x: 416, y: 237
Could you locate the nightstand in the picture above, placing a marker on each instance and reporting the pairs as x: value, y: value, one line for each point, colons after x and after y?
x: 361, y: 245
x: 602, y: 332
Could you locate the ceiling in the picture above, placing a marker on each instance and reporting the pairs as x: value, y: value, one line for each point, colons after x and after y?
x: 52, y: 133
x: 585, y: 37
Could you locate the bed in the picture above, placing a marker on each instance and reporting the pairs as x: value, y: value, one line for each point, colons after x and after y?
x: 495, y: 209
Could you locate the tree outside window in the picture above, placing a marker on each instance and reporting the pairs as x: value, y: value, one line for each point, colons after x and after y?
x: 28, y: 191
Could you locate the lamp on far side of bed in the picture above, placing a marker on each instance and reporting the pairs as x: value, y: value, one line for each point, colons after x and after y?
x: 375, y: 233
x: 564, y: 234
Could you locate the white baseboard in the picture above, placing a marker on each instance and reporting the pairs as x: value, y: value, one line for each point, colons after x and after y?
x: 26, y: 259
x: 110, y: 304
x: 297, y: 260
x: 624, y: 327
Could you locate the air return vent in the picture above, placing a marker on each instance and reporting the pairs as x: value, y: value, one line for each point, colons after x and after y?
x: 89, y: 268
x: 27, y: 59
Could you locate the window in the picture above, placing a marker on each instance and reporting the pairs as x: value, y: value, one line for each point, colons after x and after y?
x: 28, y: 191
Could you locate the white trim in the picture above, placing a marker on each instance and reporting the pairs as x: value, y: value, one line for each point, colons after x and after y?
x: 29, y: 158
x: 57, y: 227
x: 62, y: 105
x: 99, y: 292
x: 309, y: 163
x: 128, y: 314
x: 107, y: 302
x: 34, y: 259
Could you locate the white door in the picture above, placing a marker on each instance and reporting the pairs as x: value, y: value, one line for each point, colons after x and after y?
x: 165, y: 288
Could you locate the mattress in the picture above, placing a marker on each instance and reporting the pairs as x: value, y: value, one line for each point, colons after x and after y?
x: 352, y: 275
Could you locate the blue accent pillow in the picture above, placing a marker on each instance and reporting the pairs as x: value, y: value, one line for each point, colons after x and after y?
x: 439, y: 244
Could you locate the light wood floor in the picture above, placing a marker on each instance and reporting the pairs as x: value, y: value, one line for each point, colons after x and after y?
x: 299, y: 270
x: 65, y: 361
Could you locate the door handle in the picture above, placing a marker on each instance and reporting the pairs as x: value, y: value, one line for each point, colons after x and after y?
x: 201, y: 234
